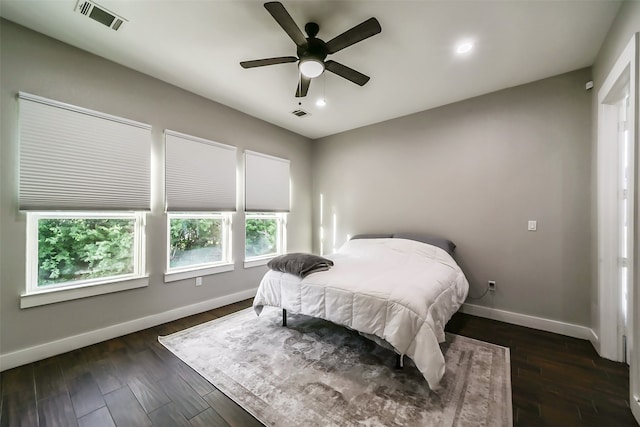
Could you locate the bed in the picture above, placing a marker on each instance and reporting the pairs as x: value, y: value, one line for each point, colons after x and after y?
x: 399, y: 290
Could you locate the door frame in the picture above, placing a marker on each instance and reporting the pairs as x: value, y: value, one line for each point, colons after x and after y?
x: 609, y: 300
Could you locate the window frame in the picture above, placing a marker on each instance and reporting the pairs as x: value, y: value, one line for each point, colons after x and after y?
x: 281, y: 237
x: 35, y: 296
x: 205, y: 269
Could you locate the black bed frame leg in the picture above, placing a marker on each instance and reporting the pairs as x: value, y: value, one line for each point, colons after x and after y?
x: 284, y: 317
x: 399, y: 361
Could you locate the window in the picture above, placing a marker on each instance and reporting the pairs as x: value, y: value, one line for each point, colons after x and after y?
x: 264, y: 237
x: 84, y: 183
x: 267, y: 200
x: 72, y: 250
x: 200, y: 198
x: 198, y: 242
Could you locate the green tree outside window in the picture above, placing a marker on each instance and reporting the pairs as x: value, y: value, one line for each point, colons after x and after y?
x: 261, y: 237
x: 195, y: 241
x: 71, y: 249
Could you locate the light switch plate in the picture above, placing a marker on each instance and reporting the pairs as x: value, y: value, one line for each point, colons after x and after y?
x: 532, y: 225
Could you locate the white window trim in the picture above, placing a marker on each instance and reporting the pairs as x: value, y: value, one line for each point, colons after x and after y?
x: 199, y: 270
x: 35, y: 296
x: 281, y: 241
x: 259, y: 261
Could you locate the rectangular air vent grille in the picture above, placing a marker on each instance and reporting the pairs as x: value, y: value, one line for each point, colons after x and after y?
x: 299, y: 113
x: 100, y: 14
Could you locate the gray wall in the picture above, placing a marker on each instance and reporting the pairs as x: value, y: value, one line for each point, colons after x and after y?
x: 626, y: 24
x: 475, y: 172
x: 36, y: 64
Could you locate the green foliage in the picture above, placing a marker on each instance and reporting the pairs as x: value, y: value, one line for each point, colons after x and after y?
x: 77, y: 249
x: 260, y: 237
x: 192, y: 235
x: 71, y: 249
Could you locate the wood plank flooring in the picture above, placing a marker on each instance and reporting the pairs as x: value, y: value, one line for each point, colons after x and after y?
x: 556, y: 380
x: 134, y: 381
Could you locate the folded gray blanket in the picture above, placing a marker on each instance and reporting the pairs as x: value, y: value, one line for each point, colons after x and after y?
x: 300, y: 264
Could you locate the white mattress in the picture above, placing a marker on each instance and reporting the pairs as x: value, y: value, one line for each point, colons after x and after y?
x: 402, y: 291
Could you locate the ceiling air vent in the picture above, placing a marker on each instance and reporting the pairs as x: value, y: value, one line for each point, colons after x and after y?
x: 300, y: 113
x: 100, y: 14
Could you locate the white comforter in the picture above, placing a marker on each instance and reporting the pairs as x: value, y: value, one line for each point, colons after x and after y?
x: 402, y: 291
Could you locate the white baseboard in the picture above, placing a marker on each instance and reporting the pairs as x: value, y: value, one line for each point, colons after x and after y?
x: 42, y: 351
x: 595, y: 341
x: 562, y: 328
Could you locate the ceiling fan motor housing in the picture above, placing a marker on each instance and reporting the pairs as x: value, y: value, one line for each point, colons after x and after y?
x: 315, y: 49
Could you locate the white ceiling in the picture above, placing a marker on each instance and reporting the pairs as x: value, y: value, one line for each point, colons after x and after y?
x: 197, y: 45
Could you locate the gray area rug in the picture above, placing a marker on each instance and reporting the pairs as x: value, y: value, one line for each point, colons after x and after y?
x: 315, y: 373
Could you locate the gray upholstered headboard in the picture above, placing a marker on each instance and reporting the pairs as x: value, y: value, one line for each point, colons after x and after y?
x: 440, y: 242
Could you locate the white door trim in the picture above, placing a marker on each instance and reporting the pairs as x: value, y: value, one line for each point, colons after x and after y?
x: 609, y: 297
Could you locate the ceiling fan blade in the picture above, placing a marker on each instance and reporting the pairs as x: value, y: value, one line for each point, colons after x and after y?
x: 346, y: 72
x: 268, y: 61
x: 282, y: 17
x: 303, y: 87
x: 362, y: 31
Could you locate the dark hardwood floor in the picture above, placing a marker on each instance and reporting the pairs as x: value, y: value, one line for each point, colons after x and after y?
x: 134, y: 381
x: 555, y: 380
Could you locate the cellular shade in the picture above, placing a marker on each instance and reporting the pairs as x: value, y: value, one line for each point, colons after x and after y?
x: 72, y: 158
x: 266, y: 183
x: 200, y: 175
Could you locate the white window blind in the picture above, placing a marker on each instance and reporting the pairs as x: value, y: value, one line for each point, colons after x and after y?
x: 200, y: 174
x: 72, y: 158
x: 266, y: 183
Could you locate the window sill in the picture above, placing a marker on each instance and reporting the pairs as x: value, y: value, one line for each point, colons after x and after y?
x: 53, y: 296
x: 197, y: 272
x: 257, y: 262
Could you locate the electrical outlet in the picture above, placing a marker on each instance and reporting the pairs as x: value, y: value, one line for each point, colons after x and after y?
x: 492, y: 285
x: 198, y: 281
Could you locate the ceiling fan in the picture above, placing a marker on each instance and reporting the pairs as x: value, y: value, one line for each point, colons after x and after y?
x: 312, y: 51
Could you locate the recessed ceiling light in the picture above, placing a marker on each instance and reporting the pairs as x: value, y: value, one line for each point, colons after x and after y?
x: 321, y: 102
x: 464, y: 47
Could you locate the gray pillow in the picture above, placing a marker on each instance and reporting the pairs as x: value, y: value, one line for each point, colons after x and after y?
x: 440, y: 242
x: 300, y: 264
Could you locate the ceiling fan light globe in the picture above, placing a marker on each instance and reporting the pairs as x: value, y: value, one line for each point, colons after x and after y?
x: 311, y: 68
